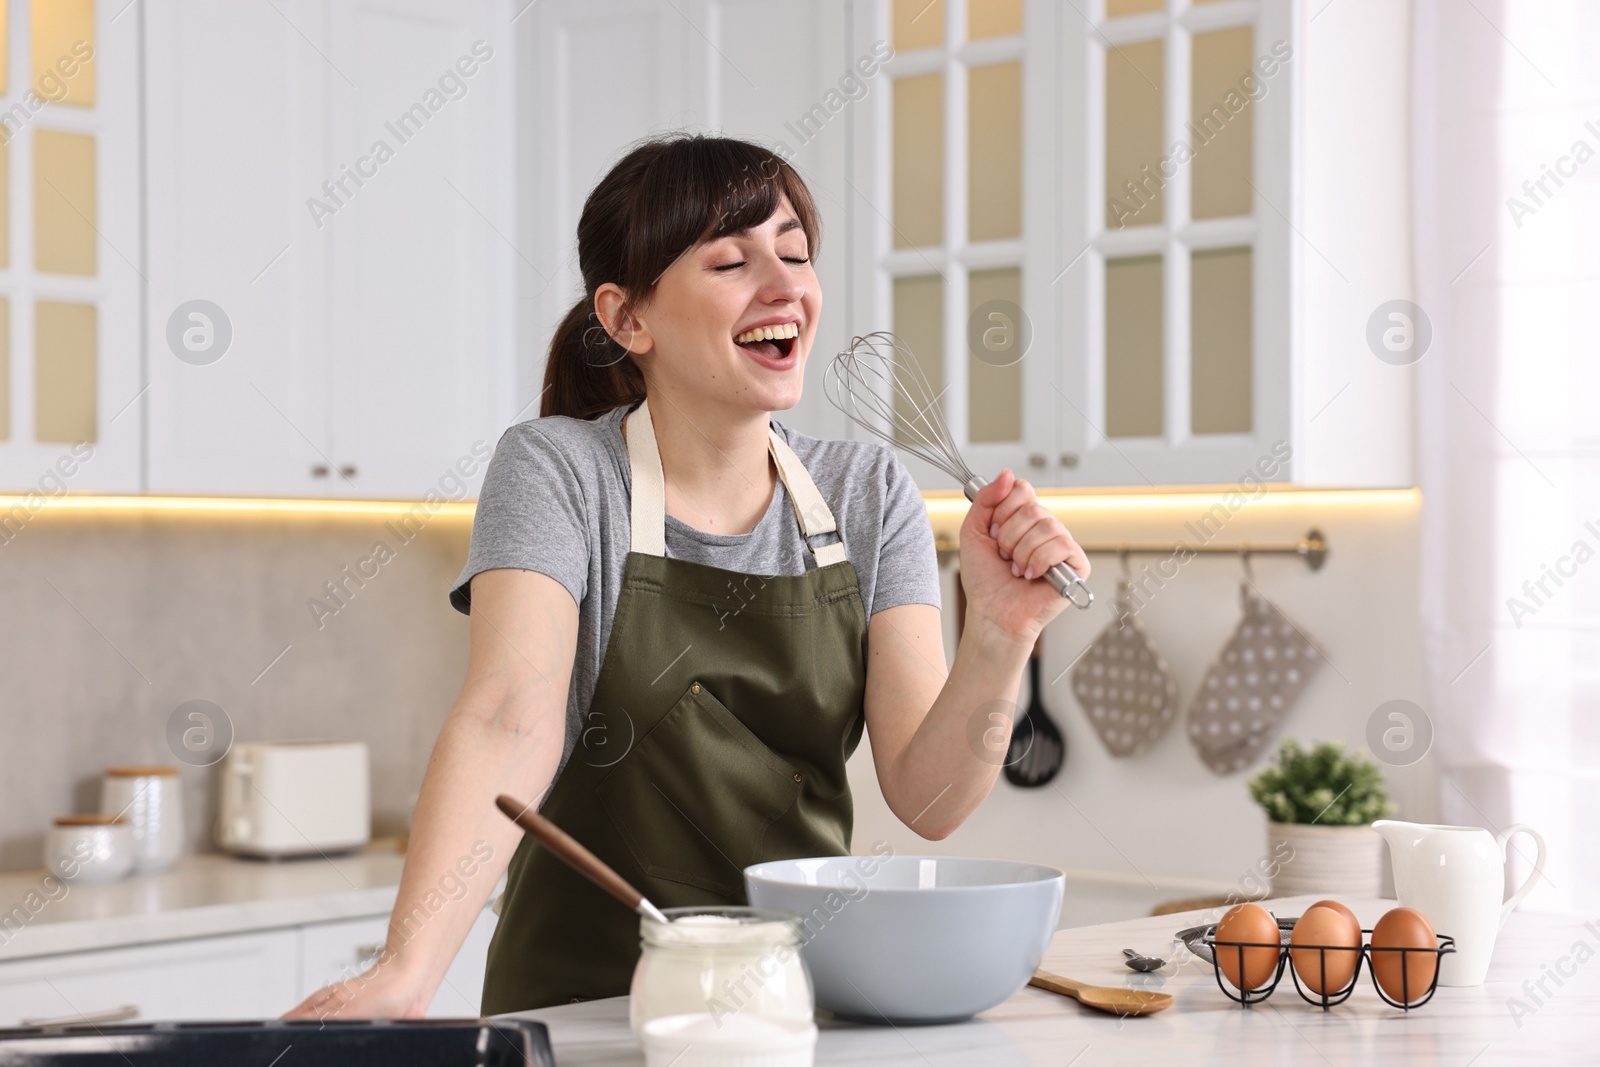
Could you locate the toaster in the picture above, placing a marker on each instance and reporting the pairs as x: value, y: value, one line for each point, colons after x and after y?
x: 291, y: 798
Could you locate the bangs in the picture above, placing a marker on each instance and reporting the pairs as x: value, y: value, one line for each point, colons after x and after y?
x: 697, y: 189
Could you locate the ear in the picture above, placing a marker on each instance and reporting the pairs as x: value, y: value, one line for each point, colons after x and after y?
x: 624, y: 327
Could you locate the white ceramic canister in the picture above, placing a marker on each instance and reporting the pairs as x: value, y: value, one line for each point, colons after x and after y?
x: 723, y: 986
x: 150, y: 798
x: 89, y: 848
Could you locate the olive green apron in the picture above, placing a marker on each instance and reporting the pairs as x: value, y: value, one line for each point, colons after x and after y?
x: 725, y: 709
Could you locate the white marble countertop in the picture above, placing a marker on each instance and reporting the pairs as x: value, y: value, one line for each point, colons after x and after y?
x: 201, y: 896
x: 1466, y: 1027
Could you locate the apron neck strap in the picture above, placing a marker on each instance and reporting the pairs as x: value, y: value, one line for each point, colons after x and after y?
x: 649, y: 503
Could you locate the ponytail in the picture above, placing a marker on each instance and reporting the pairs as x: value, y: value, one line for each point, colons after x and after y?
x: 587, y: 373
x: 663, y: 197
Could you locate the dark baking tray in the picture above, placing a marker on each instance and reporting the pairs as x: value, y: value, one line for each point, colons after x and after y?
x: 300, y: 1043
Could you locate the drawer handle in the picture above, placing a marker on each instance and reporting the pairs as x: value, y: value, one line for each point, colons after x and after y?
x: 370, y: 952
x: 110, y: 1015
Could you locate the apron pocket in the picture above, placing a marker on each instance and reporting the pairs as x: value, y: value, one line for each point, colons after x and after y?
x: 694, y: 798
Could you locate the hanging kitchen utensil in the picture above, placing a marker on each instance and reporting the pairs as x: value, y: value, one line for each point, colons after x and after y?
x: 1248, y: 689
x: 879, y: 385
x: 1037, y: 748
x: 1123, y: 684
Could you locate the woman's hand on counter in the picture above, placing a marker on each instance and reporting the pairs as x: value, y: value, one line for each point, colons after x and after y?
x: 1008, y: 541
x: 383, y: 991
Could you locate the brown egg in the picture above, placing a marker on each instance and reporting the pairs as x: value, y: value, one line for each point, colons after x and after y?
x: 1251, y: 925
x: 1404, y: 928
x: 1328, y: 969
x: 1355, y: 923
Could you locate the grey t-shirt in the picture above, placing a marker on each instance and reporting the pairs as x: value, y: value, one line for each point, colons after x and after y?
x: 556, y: 499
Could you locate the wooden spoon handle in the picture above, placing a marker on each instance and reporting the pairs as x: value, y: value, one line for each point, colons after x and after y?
x: 1056, y: 983
x: 569, y: 851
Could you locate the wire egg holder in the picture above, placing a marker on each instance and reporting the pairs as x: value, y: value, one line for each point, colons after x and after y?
x: 1326, y: 999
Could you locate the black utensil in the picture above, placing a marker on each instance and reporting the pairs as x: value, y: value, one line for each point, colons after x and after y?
x: 1038, y: 748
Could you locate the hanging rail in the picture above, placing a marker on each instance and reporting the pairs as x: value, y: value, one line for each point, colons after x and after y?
x: 1312, y: 548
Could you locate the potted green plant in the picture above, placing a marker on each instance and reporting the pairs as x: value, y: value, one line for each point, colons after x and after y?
x: 1320, y: 803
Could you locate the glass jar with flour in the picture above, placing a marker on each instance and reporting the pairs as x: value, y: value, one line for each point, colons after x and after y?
x: 723, y: 986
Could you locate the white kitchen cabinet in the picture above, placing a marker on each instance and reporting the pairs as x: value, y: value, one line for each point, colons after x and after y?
x: 925, y: 153
x: 335, y: 178
x: 243, y: 976
x: 70, y: 256
x: 1212, y: 328
x: 333, y: 952
x: 236, y: 977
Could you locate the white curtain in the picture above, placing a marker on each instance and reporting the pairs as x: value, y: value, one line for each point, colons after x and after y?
x: 1506, y: 182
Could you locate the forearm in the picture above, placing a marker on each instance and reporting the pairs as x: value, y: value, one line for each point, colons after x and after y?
x: 460, y: 843
x: 949, y: 765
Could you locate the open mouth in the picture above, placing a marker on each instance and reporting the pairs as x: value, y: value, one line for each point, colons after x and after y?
x: 772, y: 342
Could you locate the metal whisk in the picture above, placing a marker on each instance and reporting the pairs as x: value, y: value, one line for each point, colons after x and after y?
x: 879, y: 385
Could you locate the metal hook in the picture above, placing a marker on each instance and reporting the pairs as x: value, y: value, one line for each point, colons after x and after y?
x: 1244, y: 559
x: 1122, y: 556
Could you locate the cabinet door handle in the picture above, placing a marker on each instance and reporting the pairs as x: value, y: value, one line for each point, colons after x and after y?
x: 1069, y: 459
x: 367, y: 953
x: 319, y: 470
x: 110, y: 1015
x: 1036, y: 459
x: 348, y: 471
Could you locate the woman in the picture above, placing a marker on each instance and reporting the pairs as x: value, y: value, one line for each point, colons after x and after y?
x: 684, y: 614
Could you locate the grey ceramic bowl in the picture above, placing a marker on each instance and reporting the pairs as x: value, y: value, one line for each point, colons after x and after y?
x: 914, y: 939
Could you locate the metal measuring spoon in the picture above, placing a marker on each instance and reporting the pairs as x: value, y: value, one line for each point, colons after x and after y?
x: 1142, y: 963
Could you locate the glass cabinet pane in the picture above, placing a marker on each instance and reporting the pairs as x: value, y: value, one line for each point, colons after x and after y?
x: 993, y: 18
x: 5, y: 204
x: 1223, y: 118
x: 1135, y: 382
x: 5, y: 369
x: 63, y: 38
x: 63, y: 202
x: 918, y: 134
x: 994, y: 152
x: 1134, y: 134
x: 1220, y: 345
x: 66, y: 372
x: 919, y: 320
x: 1118, y: 8
x: 917, y: 24
x: 994, y: 364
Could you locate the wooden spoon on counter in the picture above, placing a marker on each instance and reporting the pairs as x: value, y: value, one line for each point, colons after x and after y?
x: 1103, y: 998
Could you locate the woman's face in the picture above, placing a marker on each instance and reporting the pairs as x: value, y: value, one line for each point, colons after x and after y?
x: 698, y: 324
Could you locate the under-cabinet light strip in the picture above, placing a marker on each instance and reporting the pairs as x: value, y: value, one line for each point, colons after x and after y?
x: 941, y: 505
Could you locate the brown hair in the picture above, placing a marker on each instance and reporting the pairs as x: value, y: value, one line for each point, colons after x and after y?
x: 664, y: 197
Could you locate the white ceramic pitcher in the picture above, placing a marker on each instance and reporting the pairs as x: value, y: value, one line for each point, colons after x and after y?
x: 1456, y: 876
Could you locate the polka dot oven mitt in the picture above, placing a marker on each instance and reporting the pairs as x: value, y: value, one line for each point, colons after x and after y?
x: 1248, y: 689
x: 1123, y: 684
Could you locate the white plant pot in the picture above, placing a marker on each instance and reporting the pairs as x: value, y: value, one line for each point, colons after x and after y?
x: 1334, y: 860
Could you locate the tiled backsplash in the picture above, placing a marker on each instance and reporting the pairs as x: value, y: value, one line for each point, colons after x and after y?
x: 111, y: 621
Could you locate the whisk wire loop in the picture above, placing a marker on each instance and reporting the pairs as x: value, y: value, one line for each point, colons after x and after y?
x: 879, y: 384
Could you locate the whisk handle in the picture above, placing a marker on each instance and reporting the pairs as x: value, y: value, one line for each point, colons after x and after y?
x: 1066, y: 581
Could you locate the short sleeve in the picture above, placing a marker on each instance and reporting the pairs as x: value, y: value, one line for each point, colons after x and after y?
x: 908, y: 565
x: 531, y: 516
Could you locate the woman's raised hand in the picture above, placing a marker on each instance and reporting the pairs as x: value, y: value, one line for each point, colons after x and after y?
x: 1008, y: 541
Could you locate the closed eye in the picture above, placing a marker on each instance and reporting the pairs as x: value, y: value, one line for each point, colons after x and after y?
x: 786, y: 259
